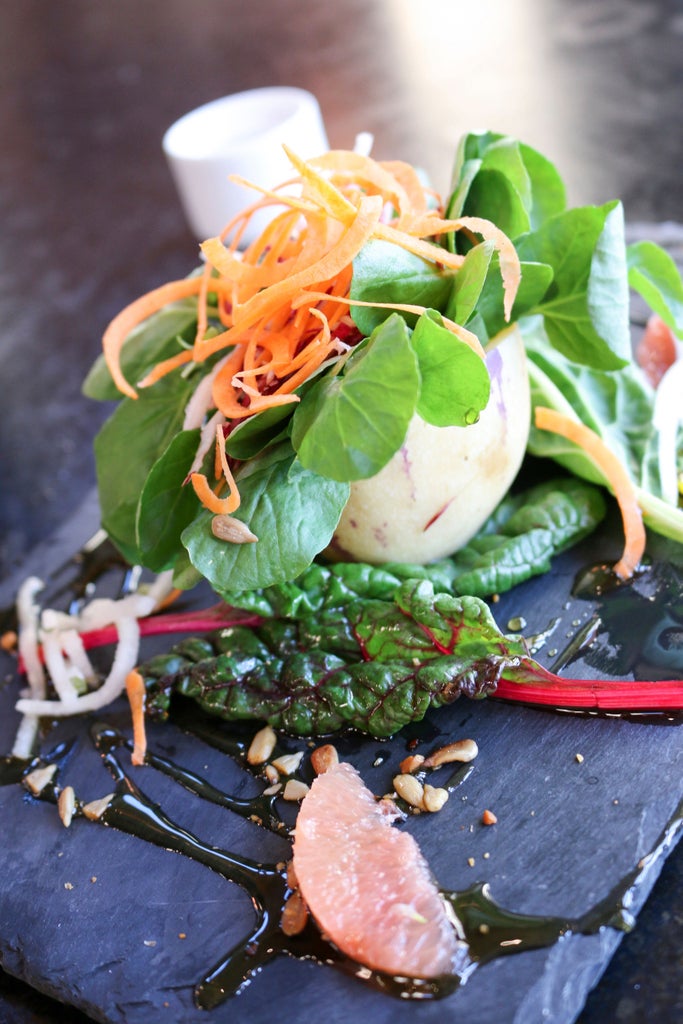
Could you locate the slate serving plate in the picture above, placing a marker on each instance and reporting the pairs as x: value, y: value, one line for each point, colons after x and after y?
x: 123, y: 930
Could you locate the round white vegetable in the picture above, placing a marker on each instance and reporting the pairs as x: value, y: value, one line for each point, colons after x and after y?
x: 444, y: 482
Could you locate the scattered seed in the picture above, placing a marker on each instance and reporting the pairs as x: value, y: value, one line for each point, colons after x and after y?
x: 8, y: 640
x: 484, y: 928
x: 579, y: 758
x: 149, y: 942
x: 434, y: 798
x: 409, y: 789
x: 262, y: 746
x: 295, y: 790
x: 294, y: 915
x: 287, y: 764
x: 488, y: 818
x: 486, y: 856
x: 68, y: 885
x: 461, y: 750
x: 66, y: 805
x: 96, y: 808
x: 411, y: 763
x: 272, y: 790
x: 232, y: 530
x: 38, y: 779
x: 323, y: 758
x: 94, y: 878
x: 182, y: 935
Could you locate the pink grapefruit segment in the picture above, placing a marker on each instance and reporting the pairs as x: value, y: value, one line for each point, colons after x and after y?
x: 367, y: 884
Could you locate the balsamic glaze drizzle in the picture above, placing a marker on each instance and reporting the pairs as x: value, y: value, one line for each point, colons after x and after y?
x: 486, y: 930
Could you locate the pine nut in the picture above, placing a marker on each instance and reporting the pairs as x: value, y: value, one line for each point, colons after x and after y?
x: 294, y: 915
x: 66, y: 805
x: 262, y: 746
x: 323, y: 758
x: 409, y: 789
x: 295, y: 790
x: 96, y: 808
x: 287, y: 764
x: 434, y: 798
x: 461, y: 750
x: 38, y: 779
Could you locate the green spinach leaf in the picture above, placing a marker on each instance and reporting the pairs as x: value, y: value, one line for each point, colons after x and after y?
x: 654, y: 275
x: 384, y: 272
x: 586, y: 306
x: 167, y: 503
x: 128, y: 446
x: 292, y: 511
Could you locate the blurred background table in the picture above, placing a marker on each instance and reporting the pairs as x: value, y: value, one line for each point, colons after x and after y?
x: 90, y: 218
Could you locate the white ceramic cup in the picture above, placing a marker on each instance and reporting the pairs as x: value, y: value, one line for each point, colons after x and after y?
x: 240, y: 134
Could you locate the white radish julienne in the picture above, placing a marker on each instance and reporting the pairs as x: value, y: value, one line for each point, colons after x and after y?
x: 444, y: 482
x: 69, y: 666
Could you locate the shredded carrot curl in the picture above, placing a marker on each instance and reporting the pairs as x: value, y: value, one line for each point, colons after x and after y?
x: 135, y: 690
x: 618, y: 479
x: 280, y: 303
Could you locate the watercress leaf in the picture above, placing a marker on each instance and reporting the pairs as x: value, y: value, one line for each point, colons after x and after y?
x: 292, y: 511
x: 167, y: 503
x: 468, y: 283
x: 159, y: 337
x: 127, y: 447
x: 653, y: 274
x: 455, y: 382
x: 348, y: 427
x: 586, y: 306
x: 493, y: 195
x: 383, y: 272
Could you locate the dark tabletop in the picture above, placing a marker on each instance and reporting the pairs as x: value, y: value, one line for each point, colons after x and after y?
x: 89, y: 216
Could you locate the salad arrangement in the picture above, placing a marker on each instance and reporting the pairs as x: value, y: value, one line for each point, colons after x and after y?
x: 259, y: 391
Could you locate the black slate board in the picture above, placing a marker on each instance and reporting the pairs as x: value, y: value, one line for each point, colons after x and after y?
x: 567, y: 832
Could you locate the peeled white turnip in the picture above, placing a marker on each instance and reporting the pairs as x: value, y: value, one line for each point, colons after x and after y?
x: 444, y: 482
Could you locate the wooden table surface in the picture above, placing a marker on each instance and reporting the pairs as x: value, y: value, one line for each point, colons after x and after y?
x: 90, y: 219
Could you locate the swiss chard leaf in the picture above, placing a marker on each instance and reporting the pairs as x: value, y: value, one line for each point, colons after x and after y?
x: 348, y: 427
x: 383, y: 272
x: 586, y: 306
x: 167, y: 503
x: 292, y: 511
x: 654, y: 275
x: 374, y: 666
x: 455, y: 384
x: 126, y: 449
